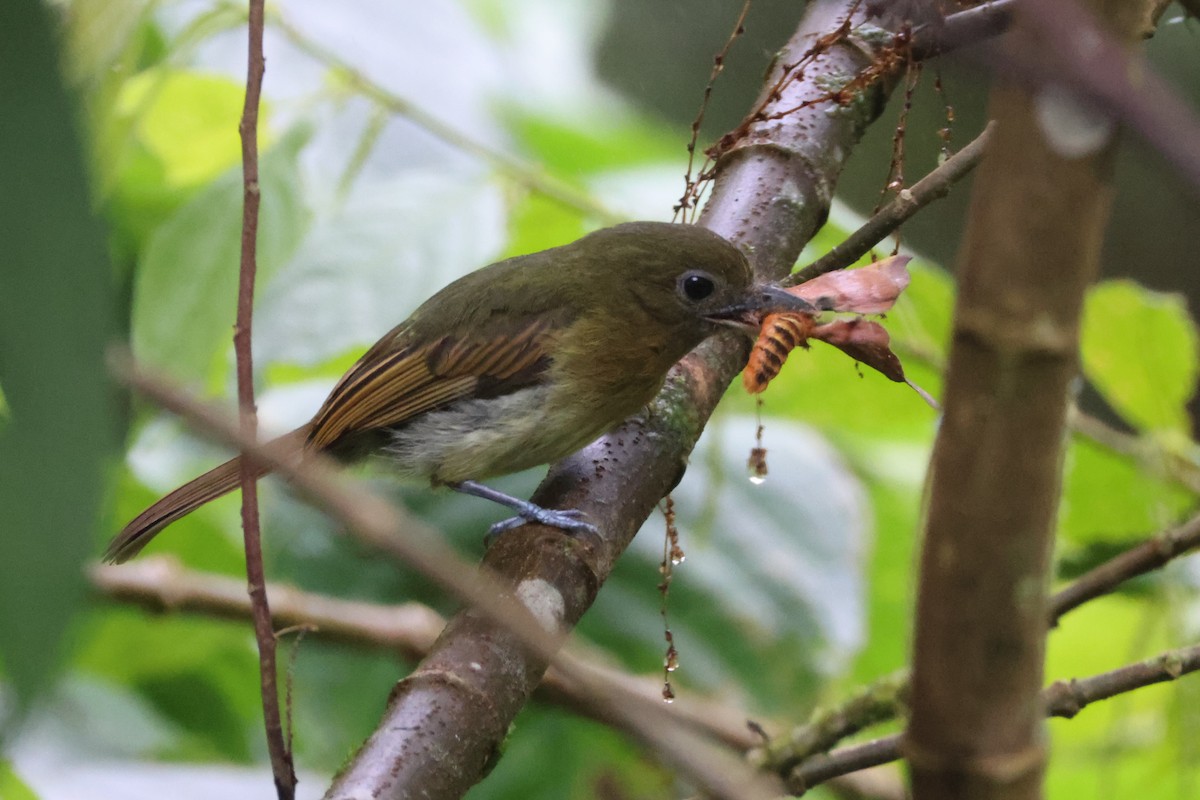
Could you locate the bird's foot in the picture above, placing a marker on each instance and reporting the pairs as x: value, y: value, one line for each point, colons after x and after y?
x: 569, y: 520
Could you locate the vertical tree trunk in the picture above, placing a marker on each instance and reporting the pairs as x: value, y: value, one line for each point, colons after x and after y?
x: 1034, y: 234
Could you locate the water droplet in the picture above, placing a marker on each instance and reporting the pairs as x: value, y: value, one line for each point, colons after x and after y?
x: 757, y: 480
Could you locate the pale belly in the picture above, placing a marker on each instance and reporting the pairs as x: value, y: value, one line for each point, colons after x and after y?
x: 479, y: 439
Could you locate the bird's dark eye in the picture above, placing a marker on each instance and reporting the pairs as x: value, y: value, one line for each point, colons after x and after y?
x: 697, y: 285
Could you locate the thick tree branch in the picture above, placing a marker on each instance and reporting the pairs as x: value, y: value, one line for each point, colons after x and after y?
x: 982, y: 607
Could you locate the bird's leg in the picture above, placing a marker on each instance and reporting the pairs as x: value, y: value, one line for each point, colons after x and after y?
x: 569, y: 520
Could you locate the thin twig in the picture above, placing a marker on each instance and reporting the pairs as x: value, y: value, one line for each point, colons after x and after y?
x: 1068, y: 698
x: 1149, y: 555
x: 933, y: 186
x: 1183, y: 471
x: 281, y: 757
x: 879, y: 701
x: 1060, y: 699
x: 961, y: 28
x: 163, y: 584
x: 690, y: 190
x: 882, y: 701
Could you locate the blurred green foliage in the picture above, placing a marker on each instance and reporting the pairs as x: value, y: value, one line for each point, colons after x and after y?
x: 793, y: 591
x: 57, y: 436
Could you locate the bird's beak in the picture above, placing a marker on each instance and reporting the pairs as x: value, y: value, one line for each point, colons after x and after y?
x: 759, y: 302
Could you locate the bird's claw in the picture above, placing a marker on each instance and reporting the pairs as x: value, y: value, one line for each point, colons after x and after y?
x: 569, y: 520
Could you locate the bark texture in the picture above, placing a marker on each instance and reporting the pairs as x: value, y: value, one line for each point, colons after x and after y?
x: 1032, y: 246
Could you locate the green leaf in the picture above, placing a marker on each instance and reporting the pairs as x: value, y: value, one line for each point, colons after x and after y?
x: 1140, y: 350
x: 365, y: 266
x: 198, y: 673
x: 578, y: 147
x: 11, y: 785
x: 1125, y: 745
x: 1107, y: 495
x: 538, y: 222
x: 100, y: 36
x: 56, y: 308
x: 920, y: 322
x: 185, y: 290
x: 897, y: 508
x: 188, y: 121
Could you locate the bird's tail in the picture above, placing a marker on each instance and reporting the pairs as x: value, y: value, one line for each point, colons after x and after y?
x: 186, y: 499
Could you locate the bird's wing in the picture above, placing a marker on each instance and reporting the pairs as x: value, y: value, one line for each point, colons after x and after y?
x: 397, y: 380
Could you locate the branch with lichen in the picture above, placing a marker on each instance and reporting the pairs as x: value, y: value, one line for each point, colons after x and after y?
x: 1064, y: 698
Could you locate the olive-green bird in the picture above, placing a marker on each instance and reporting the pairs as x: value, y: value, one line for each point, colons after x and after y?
x: 519, y: 364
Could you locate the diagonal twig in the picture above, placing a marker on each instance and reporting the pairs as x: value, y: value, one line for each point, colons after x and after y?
x: 1059, y: 699
x: 908, y: 202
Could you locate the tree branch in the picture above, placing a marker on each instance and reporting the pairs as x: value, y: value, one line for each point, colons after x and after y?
x: 966, y: 27
x: 1059, y: 699
x: 981, y: 612
x: 879, y: 701
x: 1147, y: 556
x: 281, y: 757
x: 1063, y: 40
x: 908, y: 202
x: 162, y: 584
x: 884, y: 699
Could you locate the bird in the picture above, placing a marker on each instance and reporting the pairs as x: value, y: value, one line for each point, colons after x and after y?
x: 518, y: 364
